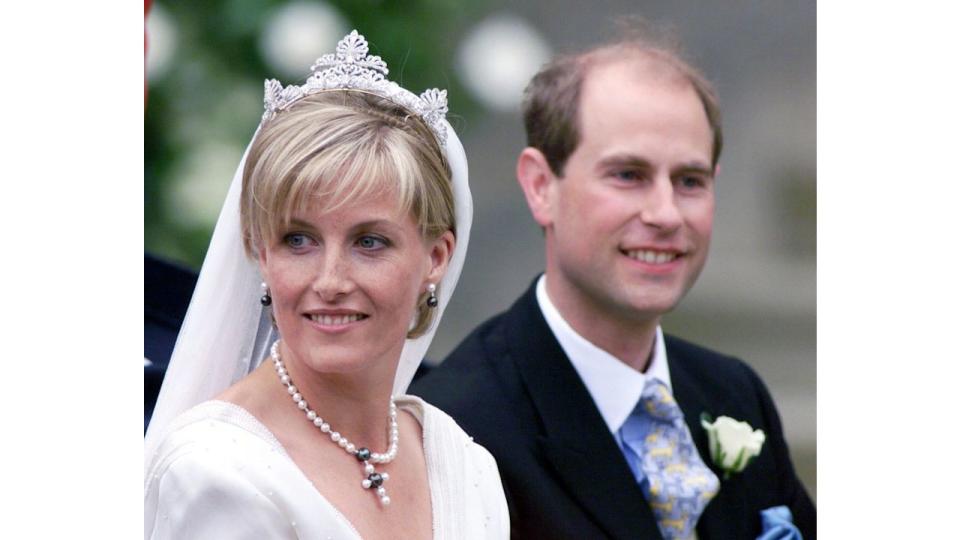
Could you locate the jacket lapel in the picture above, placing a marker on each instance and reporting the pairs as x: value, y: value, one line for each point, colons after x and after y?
x: 692, y: 402
x: 574, y: 437
x: 715, y: 522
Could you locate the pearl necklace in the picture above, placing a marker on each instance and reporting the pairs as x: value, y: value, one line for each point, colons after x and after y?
x: 374, y: 479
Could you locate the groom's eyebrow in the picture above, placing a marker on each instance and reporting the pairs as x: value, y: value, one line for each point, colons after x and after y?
x: 624, y: 160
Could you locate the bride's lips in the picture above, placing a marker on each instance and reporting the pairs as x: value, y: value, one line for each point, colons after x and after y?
x: 339, y: 320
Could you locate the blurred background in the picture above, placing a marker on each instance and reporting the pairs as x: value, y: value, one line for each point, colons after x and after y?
x: 756, y: 299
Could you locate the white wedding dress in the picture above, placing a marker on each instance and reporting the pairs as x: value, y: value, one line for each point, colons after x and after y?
x: 220, y: 473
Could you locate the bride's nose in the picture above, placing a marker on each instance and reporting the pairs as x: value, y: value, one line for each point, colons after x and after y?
x: 333, y: 278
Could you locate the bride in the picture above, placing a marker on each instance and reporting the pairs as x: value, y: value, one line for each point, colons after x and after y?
x: 352, y: 207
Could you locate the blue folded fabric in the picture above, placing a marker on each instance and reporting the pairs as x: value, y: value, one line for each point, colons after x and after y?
x: 778, y: 524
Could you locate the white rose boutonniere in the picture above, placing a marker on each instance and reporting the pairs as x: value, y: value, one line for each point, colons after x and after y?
x: 733, y: 444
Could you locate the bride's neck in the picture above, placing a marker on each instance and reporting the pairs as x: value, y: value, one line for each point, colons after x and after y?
x: 354, y: 404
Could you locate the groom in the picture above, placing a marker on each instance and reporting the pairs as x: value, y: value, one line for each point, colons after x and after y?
x: 575, y: 388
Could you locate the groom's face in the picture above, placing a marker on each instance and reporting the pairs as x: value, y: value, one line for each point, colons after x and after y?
x: 630, y: 221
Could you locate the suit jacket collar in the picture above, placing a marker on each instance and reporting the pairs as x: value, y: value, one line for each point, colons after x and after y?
x: 574, y: 437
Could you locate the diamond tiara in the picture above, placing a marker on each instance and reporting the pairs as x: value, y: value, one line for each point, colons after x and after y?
x: 350, y: 68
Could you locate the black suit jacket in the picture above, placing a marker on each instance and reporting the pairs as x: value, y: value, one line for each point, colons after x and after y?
x: 510, y: 385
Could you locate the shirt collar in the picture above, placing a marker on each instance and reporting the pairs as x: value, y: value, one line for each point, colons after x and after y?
x: 614, y: 386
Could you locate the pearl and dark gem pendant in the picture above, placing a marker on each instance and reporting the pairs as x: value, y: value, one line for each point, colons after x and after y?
x: 374, y: 480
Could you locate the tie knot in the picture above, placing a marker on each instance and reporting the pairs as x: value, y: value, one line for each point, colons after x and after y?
x: 657, y: 401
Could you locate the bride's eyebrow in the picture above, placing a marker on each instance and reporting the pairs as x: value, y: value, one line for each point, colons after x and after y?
x: 376, y: 223
x: 300, y: 224
x: 363, y: 225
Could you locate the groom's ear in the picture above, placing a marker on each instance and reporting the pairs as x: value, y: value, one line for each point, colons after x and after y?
x: 537, y: 181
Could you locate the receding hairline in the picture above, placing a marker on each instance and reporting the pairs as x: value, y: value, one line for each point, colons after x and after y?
x: 653, y: 65
x: 657, y: 61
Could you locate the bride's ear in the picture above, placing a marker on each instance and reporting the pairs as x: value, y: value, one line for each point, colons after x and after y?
x: 440, y: 252
x: 262, y: 261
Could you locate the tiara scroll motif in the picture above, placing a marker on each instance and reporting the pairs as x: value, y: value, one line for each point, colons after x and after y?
x: 351, y: 68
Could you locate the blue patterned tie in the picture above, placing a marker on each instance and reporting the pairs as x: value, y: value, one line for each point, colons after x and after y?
x: 676, y: 483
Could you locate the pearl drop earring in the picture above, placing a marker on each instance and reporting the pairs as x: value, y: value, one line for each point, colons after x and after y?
x: 266, y: 299
x: 432, y: 299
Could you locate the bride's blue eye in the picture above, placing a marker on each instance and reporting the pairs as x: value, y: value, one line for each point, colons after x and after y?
x: 296, y: 240
x: 370, y: 242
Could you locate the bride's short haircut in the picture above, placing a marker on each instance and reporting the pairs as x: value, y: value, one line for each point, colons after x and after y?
x: 338, y: 147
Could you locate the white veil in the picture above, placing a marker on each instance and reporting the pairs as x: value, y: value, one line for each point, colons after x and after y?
x: 227, y: 333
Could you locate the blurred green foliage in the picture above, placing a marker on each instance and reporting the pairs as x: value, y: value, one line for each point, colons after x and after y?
x: 210, y: 97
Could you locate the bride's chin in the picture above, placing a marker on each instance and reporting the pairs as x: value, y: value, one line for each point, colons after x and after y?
x: 313, y: 358
x: 334, y: 362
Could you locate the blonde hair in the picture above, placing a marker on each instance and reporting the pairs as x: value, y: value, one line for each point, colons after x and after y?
x: 335, y: 148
